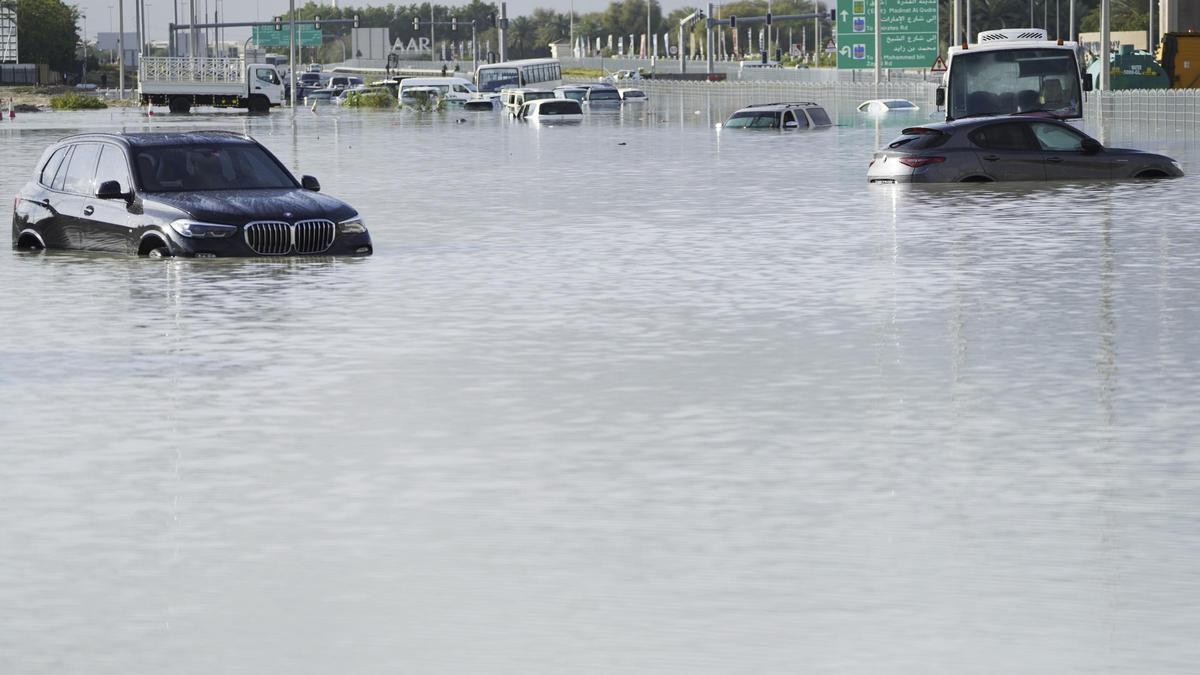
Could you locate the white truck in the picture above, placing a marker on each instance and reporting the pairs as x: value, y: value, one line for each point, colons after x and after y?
x: 179, y: 82
x: 1014, y: 70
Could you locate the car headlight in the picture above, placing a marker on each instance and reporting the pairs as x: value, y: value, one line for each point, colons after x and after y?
x: 355, y: 225
x: 197, y: 230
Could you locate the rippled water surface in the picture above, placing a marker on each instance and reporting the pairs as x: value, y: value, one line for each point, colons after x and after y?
x: 636, y: 395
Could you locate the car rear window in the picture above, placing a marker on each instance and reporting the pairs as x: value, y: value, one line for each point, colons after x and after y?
x: 563, y: 107
x: 605, y: 95
x: 919, y: 138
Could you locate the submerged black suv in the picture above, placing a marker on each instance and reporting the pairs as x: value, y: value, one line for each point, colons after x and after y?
x: 201, y: 194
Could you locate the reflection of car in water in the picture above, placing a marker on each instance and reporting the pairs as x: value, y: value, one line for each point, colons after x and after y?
x: 1007, y: 148
x: 196, y: 194
x: 780, y: 116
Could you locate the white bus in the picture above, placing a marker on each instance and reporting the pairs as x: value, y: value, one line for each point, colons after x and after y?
x: 537, y: 73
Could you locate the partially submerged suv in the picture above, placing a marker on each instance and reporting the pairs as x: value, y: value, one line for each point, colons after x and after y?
x: 201, y: 194
x: 1008, y: 148
x: 780, y: 116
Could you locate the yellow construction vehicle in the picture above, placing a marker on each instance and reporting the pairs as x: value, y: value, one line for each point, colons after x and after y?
x: 1179, y: 54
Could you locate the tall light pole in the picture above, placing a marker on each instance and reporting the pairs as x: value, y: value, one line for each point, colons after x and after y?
x: 292, y: 53
x: 121, y: 46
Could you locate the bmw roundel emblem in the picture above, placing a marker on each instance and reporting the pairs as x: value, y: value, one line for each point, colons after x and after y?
x: 287, y: 214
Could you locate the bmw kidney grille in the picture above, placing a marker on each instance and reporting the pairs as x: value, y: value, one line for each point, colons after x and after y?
x: 280, y: 238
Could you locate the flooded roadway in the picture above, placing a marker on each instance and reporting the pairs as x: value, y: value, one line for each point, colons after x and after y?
x: 630, y: 396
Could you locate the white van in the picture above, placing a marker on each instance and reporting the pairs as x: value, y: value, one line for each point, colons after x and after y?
x: 514, y: 98
x: 551, y: 110
x: 450, y: 89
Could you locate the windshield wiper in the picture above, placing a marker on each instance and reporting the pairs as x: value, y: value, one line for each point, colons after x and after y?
x: 981, y: 114
x: 1037, y: 111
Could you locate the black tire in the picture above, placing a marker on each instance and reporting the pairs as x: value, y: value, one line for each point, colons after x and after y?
x: 179, y: 105
x: 259, y: 104
x: 159, y: 252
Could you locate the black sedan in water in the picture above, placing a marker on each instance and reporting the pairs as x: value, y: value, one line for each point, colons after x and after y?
x: 1008, y: 148
x: 201, y: 194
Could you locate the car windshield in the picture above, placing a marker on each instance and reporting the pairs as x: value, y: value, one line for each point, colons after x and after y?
x: 899, y: 105
x: 492, y: 79
x: 753, y: 120
x: 1014, y: 80
x: 207, y: 167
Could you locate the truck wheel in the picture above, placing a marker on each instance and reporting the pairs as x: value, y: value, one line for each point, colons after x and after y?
x: 179, y: 105
x: 259, y: 104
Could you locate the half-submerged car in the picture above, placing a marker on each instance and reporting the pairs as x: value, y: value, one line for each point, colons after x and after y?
x: 201, y: 194
x: 551, y: 110
x: 1008, y: 148
x: 780, y: 116
x: 886, y: 105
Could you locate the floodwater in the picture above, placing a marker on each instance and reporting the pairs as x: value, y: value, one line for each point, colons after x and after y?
x: 635, y: 395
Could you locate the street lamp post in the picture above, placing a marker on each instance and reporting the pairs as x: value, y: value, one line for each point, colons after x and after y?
x: 121, y: 46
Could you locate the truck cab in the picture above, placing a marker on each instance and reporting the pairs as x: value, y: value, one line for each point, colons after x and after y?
x: 264, y: 80
x: 1014, y: 70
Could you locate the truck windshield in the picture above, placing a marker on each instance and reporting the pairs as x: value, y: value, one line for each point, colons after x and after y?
x: 212, y: 166
x: 1009, y: 81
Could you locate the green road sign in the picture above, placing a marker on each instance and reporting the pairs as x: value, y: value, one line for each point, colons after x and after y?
x: 910, y: 33
x: 267, y: 36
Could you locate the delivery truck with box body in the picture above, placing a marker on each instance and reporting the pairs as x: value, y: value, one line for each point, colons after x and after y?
x: 180, y: 82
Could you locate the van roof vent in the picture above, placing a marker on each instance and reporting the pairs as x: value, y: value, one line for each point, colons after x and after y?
x: 1013, y: 34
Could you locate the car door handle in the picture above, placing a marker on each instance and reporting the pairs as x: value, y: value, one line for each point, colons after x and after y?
x: 258, y: 89
x: 1055, y: 160
x: 89, y: 210
x: 991, y: 158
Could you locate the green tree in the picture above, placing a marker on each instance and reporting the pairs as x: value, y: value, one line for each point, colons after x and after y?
x: 46, y: 33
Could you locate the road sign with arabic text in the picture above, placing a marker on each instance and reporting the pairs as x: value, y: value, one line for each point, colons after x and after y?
x: 910, y: 33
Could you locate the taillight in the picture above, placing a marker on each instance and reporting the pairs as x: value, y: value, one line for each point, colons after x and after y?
x: 917, y: 162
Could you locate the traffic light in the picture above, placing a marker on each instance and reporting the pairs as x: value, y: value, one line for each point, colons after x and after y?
x: 768, y: 18
x: 416, y: 23
x: 454, y: 23
x: 833, y: 15
x: 279, y: 23
x: 732, y: 21
x: 356, y: 21
x: 492, y: 19
x: 317, y: 22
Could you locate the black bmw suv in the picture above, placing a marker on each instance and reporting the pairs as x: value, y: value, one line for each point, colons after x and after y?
x: 201, y: 194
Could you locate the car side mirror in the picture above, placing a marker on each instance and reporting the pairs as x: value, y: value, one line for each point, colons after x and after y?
x: 790, y: 124
x: 941, y: 96
x: 111, y: 189
x: 1091, y: 146
x: 1087, y: 82
x: 310, y: 183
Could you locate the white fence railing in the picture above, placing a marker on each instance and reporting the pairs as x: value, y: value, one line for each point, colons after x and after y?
x: 1174, y: 112
x: 192, y: 69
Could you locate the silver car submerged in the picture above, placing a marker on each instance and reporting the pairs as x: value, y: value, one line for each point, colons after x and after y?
x: 1008, y: 148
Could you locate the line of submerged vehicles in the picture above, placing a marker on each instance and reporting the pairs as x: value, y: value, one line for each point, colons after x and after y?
x: 1012, y: 105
